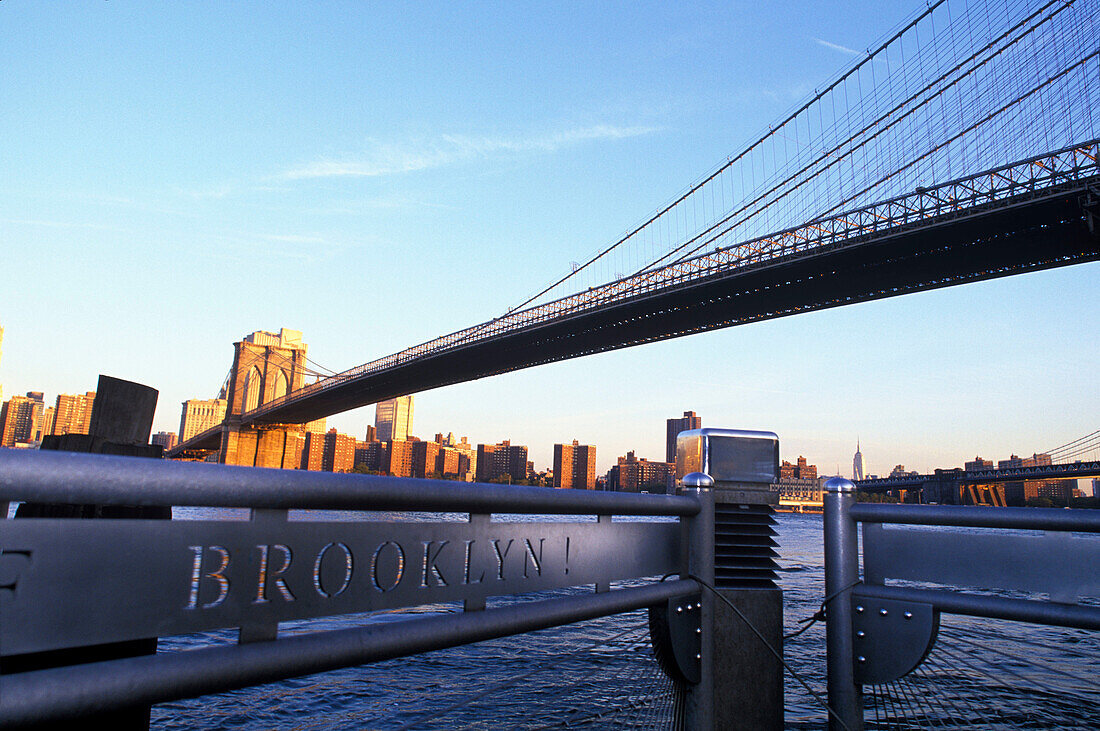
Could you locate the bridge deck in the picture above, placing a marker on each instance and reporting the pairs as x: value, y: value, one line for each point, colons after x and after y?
x: 1036, y: 214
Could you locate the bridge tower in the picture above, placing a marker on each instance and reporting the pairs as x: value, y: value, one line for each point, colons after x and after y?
x: 266, y: 366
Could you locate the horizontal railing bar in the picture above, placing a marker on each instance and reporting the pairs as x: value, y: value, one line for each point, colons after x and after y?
x: 68, y: 477
x: 1081, y: 521
x: 64, y: 693
x: 993, y: 607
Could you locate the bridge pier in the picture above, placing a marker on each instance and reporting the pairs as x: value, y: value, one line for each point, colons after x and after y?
x: 277, y: 445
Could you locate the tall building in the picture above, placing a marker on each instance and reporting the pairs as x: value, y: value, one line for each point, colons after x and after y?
x: 45, y: 427
x: 73, y: 413
x: 166, y: 439
x: 673, y: 427
x: 631, y: 474
x: 497, y: 460
x: 799, y: 471
x: 338, y: 454
x: 857, y: 464
x: 313, y: 452
x: 575, y: 466
x: 393, y: 419
x: 400, y: 454
x: 198, y: 415
x: 19, y: 419
x: 457, y: 457
x: 425, y: 458
x: 978, y: 464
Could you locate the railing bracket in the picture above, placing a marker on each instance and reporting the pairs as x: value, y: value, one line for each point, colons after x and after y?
x: 677, y: 634
x: 890, y: 638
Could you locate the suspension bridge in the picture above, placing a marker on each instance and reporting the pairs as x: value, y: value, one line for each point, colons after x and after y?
x: 963, y: 147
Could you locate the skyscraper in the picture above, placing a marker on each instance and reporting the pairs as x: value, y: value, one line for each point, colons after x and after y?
x: 857, y: 464
x: 674, y: 426
x: 393, y: 419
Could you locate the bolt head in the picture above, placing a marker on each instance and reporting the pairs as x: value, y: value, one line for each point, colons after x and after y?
x: 883, y: 612
x: 908, y: 615
x: 679, y: 609
x: 861, y: 633
x: 859, y: 610
x: 861, y: 658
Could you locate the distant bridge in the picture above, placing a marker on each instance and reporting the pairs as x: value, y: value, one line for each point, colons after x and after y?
x: 1069, y: 471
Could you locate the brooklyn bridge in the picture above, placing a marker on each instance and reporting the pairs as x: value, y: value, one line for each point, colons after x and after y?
x: 961, y: 149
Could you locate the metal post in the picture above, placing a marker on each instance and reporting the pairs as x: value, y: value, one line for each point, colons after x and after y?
x: 841, y: 575
x: 699, y: 708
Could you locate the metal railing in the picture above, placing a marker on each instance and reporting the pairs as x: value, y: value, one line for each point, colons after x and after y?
x: 983, y: 562
x: 68, y: 583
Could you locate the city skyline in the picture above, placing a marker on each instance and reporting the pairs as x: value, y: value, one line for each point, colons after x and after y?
x: 424, y: 183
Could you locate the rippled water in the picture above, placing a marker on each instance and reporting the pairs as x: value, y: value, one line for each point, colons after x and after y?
x: 601, y: 673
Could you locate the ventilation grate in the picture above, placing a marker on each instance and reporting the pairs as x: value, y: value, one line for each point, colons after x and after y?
x: 744, y: 547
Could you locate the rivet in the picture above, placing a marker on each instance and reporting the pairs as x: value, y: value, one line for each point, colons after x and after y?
x: 679, y: 609
x: 861, y: 633
x: 859, y: 609
x: 883, y: 612
x: 862, y: 658
x: 698, y: 630
x: 908, y: 615
x: 698, y: 656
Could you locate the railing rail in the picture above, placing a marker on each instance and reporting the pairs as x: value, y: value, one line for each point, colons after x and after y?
x: 69, y: 477
x: 71, y: 583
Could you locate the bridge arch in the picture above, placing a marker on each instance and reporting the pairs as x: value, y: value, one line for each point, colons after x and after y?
x: 280, y: 387
x: 253, y: 388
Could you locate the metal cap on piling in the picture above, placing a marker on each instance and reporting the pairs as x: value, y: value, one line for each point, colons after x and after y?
x: 698, y: 479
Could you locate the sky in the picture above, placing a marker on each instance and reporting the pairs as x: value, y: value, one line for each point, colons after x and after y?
x: 176, y: 176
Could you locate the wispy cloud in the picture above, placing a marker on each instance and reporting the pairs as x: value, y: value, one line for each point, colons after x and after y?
x: 837, y: 47
x: 60, y: 224
x: 293, y: 239
x: 387, y: 158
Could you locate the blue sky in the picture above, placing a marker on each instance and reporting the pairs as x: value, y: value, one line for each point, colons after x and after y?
x: 175, y: 176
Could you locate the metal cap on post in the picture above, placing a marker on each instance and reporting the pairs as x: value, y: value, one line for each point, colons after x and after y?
x: 841, y: 575
x: 698, y: 479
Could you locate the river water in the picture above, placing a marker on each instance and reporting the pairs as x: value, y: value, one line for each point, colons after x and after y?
x: 601, y: 673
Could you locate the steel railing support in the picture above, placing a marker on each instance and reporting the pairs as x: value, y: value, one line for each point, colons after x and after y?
x: 699, y: 538
x: 841, y: 575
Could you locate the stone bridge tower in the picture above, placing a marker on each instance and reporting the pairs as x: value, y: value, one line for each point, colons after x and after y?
x: 266, y: 366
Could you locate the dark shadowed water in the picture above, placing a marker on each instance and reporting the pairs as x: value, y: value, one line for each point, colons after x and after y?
x: 601, y: 673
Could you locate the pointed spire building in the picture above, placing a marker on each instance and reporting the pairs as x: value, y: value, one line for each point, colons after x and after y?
x: 857, y: 464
